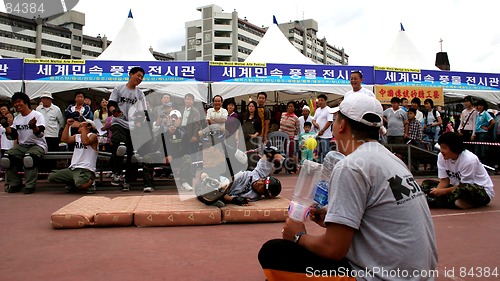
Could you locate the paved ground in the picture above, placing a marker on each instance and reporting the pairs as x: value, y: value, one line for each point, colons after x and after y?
x: 31, y: 250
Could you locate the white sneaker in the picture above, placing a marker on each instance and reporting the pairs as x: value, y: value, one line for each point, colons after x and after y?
x: 148, y: 189
x: 187, y: 187
x: 116, y: 180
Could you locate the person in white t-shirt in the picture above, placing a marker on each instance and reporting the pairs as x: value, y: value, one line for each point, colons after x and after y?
x: 356, y: 80
x: 125, y: 103
x: 216, y: 118
x: 463, y: 182
x: 322, y: 121
x: 28, y: 128
x: 80, y: 174
x: 376, y: 217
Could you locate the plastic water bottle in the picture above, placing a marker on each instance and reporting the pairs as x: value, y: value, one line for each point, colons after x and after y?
x: 323, y: 185
x: 305, y: 190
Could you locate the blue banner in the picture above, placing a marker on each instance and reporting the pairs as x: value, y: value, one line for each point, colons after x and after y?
x: 449, y: 80
x: 113, y: 71
x: 11, y: 69
x: 241, y: 72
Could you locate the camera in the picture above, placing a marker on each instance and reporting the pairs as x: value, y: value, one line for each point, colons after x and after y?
x: 3, y: 122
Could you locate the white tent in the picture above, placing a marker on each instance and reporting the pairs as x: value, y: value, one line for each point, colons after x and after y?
x: 274, y: 47
x: 404, y: 54
x: 128, y: 45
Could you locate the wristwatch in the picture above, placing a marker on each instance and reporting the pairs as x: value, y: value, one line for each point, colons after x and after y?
x: 297, y: 236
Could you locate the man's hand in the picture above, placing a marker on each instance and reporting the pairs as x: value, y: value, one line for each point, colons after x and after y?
x: 241, y: 201
x: 85, y: 128
x: 291, y: 228
x: 438, y: 191
x: 32, y: 123
x: 317, y: 215
x: 70, y: 122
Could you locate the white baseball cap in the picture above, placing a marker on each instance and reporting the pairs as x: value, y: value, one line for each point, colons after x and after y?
x: 175, y: 112
x: 46, y: 94
x: 362, y: 108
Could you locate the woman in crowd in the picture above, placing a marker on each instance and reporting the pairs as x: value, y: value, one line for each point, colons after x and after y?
x: 102, y: 112
x: 289, y: 124
x: 252, y: 126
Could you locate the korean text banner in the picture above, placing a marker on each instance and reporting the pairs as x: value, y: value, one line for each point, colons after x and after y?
x: 113, y: 71
x: 11, y: 69
x: 241, y: 72
x: 386, y: 93
x: 449, y: 80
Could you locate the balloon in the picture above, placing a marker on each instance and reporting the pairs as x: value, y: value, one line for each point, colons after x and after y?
x: 311, y: 143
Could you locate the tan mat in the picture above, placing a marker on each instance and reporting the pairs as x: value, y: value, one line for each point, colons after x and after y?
x: 118, y: 212
x: 79, y: 213
x: 169, y: 210
x: 265, y: 210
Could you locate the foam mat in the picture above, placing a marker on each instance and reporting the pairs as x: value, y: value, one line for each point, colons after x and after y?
x: 163, y: 210
x: 79, y: 213
x: 118, y: 212
x: 265, y: 210
x: 170, y: 210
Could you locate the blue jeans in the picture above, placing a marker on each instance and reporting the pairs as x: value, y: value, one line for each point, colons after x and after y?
x: 481, y: 150
x: 323, y: 148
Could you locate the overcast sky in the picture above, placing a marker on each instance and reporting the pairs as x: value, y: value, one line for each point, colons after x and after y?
x: 366, y: 29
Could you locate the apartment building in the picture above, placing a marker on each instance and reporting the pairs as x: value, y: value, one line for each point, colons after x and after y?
x: 223, y: 36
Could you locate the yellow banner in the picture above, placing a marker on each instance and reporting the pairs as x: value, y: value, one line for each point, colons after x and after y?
x: 236, y: 63
x: 54, y: 61
x: 386, y: 93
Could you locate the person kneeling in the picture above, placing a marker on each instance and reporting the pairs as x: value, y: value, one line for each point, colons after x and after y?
x: 463, y: 182
x: 80, y: 174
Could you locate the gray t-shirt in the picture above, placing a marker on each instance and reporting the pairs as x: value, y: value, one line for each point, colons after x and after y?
x: 395, y: 122
x: 373, y: 192
x: 129, y: 101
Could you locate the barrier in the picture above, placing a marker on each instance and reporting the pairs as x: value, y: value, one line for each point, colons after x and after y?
x: 482, y: 143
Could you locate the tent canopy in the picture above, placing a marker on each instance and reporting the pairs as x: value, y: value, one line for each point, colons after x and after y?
x: 128, y: 45
x: 404, y: 54
x: 274, y: 47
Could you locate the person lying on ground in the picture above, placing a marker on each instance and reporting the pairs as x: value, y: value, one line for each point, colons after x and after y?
x: 246, y: 186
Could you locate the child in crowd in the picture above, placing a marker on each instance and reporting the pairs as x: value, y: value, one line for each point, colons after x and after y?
x: 307, y: 154
x: 414, y: 129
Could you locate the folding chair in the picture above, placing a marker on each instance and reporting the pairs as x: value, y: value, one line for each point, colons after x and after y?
x: 281, y: 141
